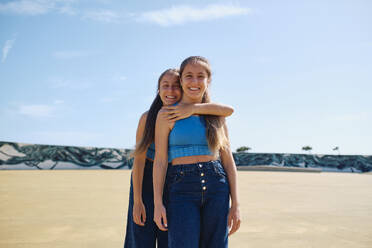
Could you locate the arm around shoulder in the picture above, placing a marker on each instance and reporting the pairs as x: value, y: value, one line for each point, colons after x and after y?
x: 213, y: 109
x: 182, y: 111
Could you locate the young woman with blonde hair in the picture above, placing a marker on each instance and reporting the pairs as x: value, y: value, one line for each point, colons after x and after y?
x: 196, y: 186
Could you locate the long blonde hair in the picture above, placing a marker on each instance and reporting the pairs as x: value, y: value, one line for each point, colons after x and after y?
x: 215, y: 130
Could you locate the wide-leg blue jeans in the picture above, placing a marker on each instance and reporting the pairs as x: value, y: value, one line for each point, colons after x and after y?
x: 144, y: 236
x: 197, y: 205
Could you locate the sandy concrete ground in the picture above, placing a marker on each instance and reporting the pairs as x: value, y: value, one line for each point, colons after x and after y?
x: 77, y: 209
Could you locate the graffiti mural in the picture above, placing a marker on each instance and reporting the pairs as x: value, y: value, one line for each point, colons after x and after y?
x: 29, y: 156
x: 340, y: 163
x: 50, y: 157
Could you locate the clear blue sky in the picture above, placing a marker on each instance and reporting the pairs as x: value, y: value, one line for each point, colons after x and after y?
x: 79, y: 72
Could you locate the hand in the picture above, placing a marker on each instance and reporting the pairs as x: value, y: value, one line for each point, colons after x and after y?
x: 181, y: 111
x: 139, y: 213
x: 160, y: 217
x: 233, y: 219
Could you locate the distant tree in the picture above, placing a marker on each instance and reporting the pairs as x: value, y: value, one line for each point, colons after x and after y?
x: 307, y: 148
x: 243, y: 149
x: 337, y: 149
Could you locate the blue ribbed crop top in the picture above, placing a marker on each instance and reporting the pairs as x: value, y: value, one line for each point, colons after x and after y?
x: 151, y: 151
x: 188, y: 138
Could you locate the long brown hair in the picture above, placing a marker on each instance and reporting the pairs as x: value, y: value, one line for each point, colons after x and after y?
x: 215, y: 132
x: 149, y: 132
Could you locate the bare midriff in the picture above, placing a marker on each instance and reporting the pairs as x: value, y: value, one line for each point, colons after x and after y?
x: 193, y: 159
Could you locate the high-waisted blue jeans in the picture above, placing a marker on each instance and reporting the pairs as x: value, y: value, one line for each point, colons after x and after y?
x: 144, y: 236
x: 197, y: 205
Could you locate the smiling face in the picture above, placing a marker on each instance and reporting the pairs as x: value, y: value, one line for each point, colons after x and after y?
x: 194, y: 80
x: 169, y: 89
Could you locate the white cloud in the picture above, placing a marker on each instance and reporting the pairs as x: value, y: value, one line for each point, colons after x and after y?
x: 165, y: 17
x: 65, y: 7
x: 8, y: 45
x: 118, y: 77
x: 36, y: 110
x: 69, y: 54
x: 182, y: 14
x: 58, y: 102
x: 102, y: 16
x: 67, y: 10
x: 37, y: 7
x: 27, y: 7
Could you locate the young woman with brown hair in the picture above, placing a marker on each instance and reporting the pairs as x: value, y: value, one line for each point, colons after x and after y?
x: 141, y: 229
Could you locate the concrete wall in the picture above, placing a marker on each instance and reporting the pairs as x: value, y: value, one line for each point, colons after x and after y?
x: 30, y: 156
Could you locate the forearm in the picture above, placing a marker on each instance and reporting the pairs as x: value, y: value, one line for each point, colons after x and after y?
x: 162, y: 130
x: 137, y: 177
x: 139, y: 162
x: 232, y: 175
x: 159, y: 174
x: 212, y: 109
